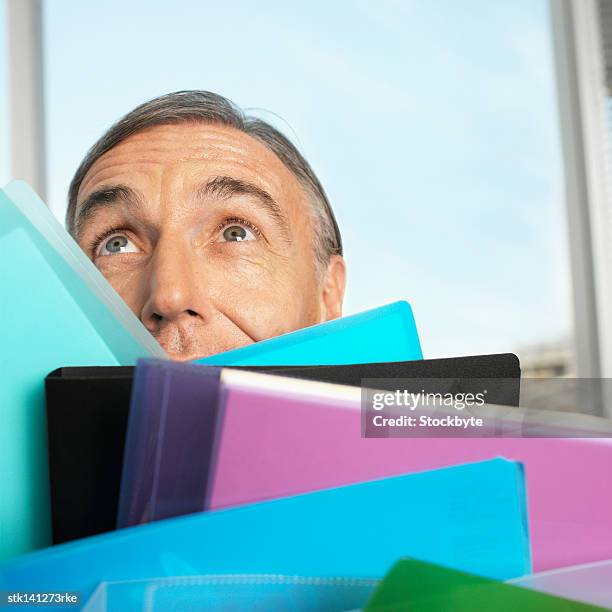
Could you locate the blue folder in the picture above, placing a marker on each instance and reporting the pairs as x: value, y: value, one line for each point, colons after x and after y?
x: 383, y: 334
x: 56, y: 310
x: 470, y: 517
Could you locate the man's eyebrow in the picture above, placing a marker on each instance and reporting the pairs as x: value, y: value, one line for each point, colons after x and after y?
x: 225, y: 187
x: 103, y: 198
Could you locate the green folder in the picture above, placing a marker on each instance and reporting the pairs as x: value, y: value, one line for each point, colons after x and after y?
x: 56, y: 310
x: 416, y: 586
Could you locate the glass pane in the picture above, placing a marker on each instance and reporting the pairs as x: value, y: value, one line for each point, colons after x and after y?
x: 432, y: 126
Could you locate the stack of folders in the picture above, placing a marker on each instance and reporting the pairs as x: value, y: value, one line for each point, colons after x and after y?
x: 244, y: 481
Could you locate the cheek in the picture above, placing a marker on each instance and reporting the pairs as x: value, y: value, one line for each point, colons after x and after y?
x: 128, y: 283
x: 265, y: 297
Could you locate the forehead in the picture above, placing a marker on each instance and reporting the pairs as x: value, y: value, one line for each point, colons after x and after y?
x: 182, y: 154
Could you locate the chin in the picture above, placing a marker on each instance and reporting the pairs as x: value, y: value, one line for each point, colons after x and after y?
x: 191, y: 356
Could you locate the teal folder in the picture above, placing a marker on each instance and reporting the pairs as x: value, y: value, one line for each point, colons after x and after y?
x: 383, y: 334
x: 235, y: 593
x: 470, y: 517
x: 56, y: 309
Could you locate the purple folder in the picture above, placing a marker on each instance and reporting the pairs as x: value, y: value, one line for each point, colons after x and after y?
x: 170, y: 441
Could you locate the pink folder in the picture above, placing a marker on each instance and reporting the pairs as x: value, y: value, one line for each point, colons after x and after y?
x: 273, y: 444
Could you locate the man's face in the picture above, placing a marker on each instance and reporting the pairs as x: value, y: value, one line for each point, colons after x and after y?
x: 208, y: 238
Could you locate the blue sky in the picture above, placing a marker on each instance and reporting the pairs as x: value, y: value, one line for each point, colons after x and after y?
x: 431, y: 123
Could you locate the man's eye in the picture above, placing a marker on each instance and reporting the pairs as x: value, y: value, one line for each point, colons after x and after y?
x: 236, y: 233
x: 117, y: 243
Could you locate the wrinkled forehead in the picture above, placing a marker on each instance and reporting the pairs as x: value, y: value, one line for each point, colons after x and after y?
x: 181, y: 156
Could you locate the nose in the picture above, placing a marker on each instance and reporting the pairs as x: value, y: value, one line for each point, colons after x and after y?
x: 173, y: 292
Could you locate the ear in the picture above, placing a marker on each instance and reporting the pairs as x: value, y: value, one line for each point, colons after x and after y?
x: 334, y: 283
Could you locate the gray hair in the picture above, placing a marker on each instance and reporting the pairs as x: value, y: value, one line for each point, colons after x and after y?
x: 207, y: 107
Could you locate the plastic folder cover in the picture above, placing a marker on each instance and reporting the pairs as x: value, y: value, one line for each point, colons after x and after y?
x: 252, y: 592
x: 52, y: 316
x: 162, y: 473
x: 471, y: 517
x: 591, y: 582
x: 414, y: 585
x: 387, y: 333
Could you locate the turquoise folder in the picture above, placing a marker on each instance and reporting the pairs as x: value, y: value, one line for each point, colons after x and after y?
x: 56, y: 309
x: 252, y: 592
x: 470, y: 517
x: 387, y: 333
